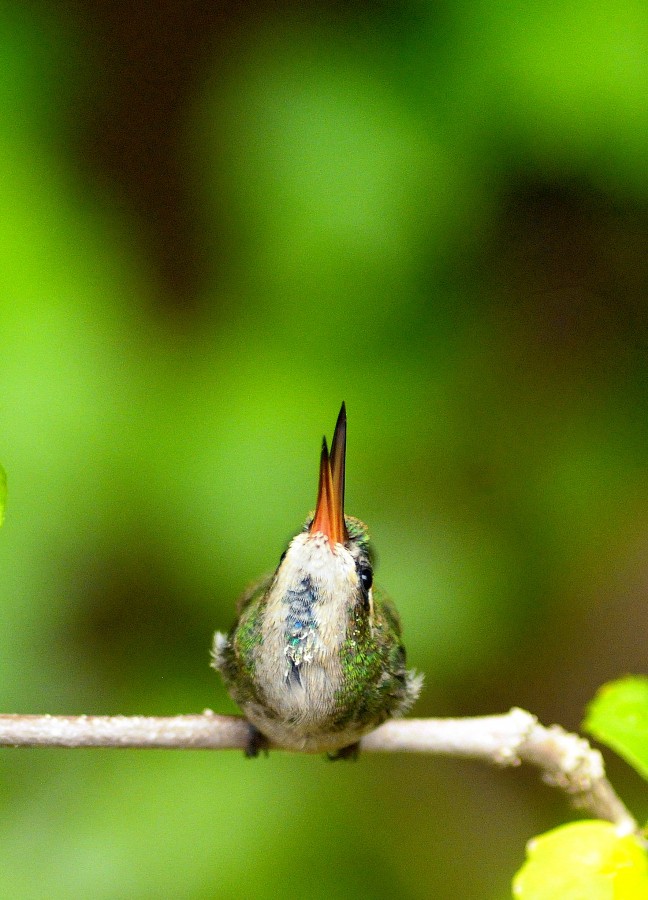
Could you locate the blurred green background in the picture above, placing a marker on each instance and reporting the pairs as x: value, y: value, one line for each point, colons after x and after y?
x: 217, y: 221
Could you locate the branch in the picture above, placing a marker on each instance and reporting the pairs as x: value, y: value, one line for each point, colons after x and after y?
x: 566, y: 760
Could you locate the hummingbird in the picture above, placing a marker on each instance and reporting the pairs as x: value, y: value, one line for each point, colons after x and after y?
x: 315, y: 659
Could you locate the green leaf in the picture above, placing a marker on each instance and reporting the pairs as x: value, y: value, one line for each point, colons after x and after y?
x: 3, y: 493
x: 618, y: 718
x: 583, y: 861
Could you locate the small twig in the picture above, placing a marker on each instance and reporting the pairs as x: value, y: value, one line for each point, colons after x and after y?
x: 566, y: 760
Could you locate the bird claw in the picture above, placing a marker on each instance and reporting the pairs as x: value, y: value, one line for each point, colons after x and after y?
x: 351, y: 752
x: 257, y: 743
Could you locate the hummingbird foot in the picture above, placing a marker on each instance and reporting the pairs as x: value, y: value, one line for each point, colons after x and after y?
x: 257, y: 743
x: 351, y: 752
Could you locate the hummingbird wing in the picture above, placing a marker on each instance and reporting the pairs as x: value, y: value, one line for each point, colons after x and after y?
x: 407, y: 683
x: 386, y: 606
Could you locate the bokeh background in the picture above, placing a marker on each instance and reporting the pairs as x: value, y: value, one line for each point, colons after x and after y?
x: 217, y: 221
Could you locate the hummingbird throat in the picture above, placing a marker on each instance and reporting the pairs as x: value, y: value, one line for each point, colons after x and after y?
x: 301, y: 628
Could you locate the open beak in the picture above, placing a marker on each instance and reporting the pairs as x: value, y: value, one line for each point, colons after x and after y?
x: 329, y: 513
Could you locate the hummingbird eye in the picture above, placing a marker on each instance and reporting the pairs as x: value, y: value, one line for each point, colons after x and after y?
x: 366, y: 577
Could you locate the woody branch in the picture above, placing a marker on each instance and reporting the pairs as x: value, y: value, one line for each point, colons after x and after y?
x: 566, y: 760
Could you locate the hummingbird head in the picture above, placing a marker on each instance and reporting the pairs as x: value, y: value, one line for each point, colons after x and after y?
x: 330, y: 559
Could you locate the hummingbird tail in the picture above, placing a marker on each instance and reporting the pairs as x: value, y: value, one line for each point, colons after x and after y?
x: 220, y: 645
x: 413, y: 685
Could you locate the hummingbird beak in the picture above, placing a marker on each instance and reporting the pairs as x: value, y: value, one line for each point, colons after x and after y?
x: 329, y: 513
